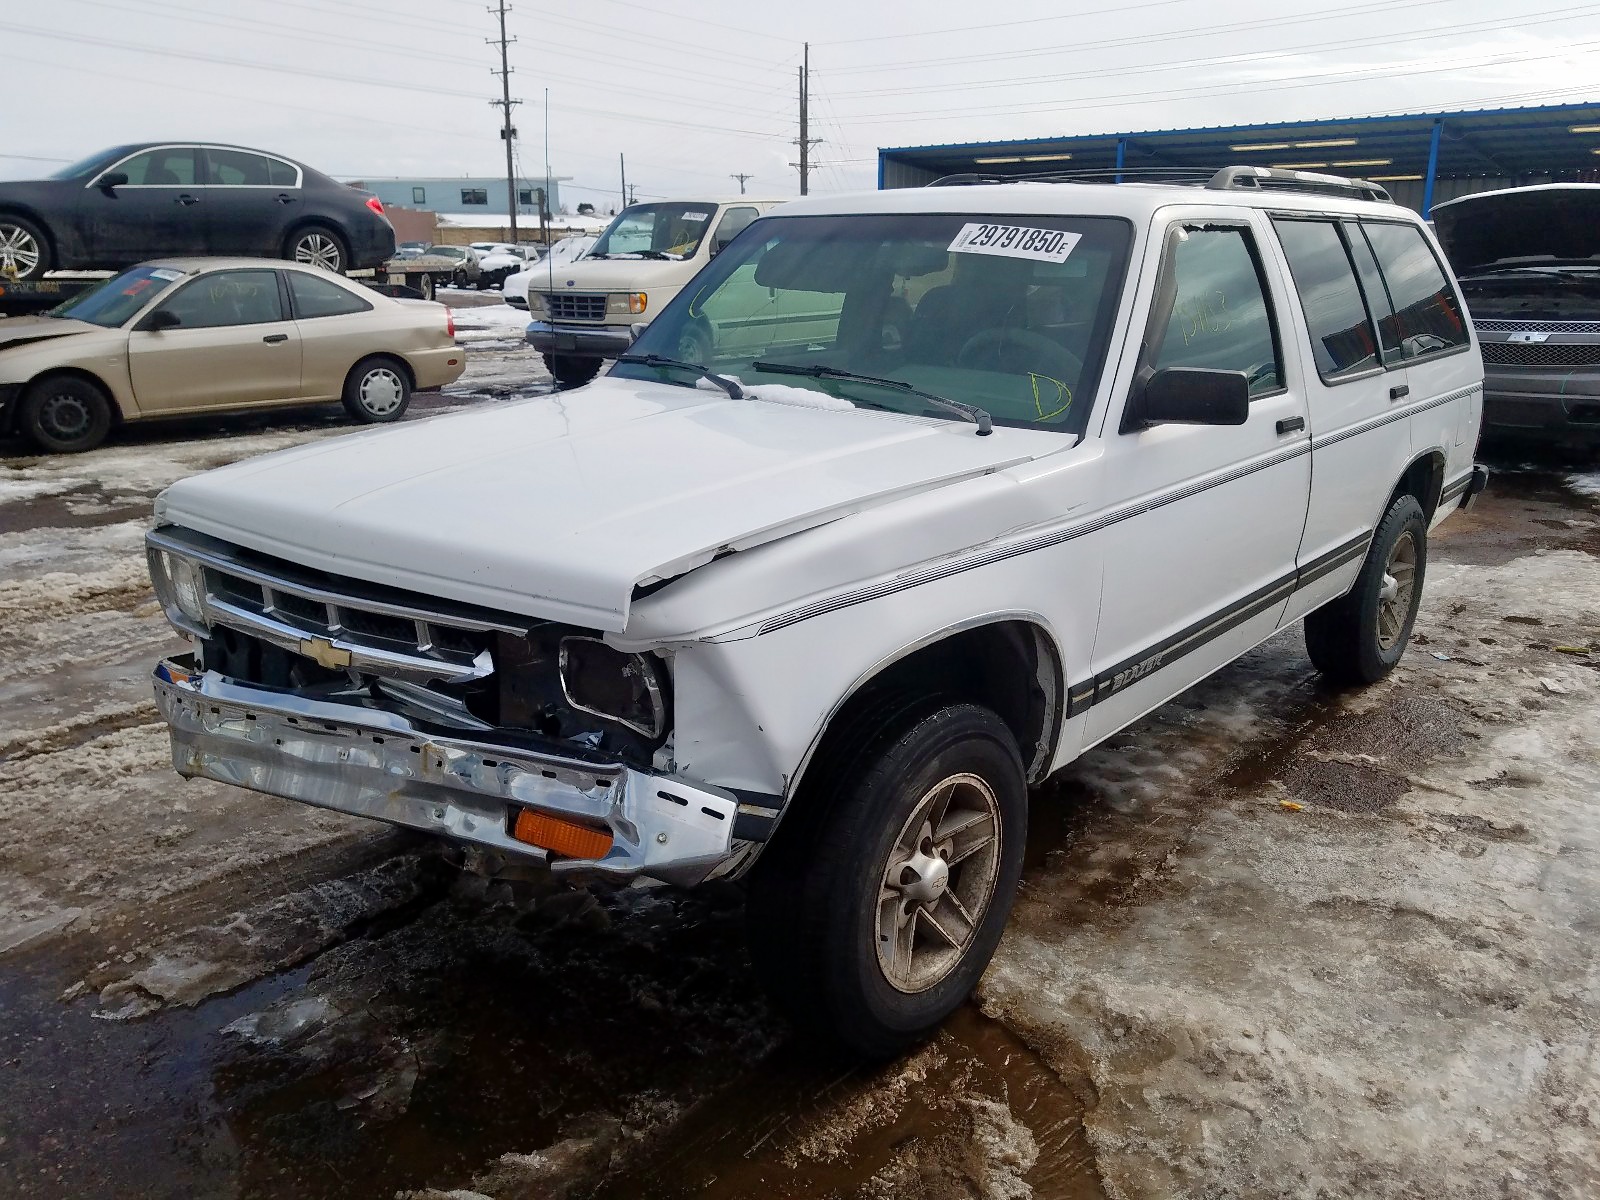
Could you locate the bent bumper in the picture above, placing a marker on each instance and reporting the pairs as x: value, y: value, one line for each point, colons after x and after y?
x: 595, y: 340
x: 371, y: 763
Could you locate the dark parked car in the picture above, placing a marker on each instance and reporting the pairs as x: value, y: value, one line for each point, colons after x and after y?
x: 132, y: 203
x: 1528, y: 260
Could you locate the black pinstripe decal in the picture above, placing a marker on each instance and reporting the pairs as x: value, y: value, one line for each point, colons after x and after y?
x: 1399, y: 414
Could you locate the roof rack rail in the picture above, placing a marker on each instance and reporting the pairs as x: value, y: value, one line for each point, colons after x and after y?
x: 1228, y: 179
x: 1234, y: 179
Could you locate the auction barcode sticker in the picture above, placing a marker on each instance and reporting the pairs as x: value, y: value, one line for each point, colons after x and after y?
x: 1015, y: 241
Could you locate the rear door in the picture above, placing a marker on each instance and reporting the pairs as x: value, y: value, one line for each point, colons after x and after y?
x: 234, y: 345
x: 1356, y: 377
x: 335, y: 330
x: 1201, y: 561
x: 250, y: 200
x: 159, y: 212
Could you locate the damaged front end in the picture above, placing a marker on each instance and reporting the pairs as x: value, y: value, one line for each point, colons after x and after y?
x: 526, y: 737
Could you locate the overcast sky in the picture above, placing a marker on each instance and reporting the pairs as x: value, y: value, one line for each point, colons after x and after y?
x: 695, y: 91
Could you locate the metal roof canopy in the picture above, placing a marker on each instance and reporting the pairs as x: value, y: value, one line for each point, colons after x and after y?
x: 1420, y: 148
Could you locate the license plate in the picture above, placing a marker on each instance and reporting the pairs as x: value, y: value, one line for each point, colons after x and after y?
x: 565, y: 341
x: 397, y: 278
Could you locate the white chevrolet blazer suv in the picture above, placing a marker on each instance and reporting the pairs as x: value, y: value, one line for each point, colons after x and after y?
x: 976, y: 476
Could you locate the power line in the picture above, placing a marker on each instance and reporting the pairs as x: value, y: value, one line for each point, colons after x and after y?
x: 988, y: 25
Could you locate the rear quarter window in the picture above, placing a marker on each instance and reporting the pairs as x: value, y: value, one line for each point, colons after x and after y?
x: 1343, y: 341
x: 1427, y: 314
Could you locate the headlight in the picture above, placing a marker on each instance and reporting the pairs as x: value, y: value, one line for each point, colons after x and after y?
x: 536, y: 302
x: 625, y: 688
x: 180, y: 585
x: 628, y: 302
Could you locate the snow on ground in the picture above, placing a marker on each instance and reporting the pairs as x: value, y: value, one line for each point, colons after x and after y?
x: 489, y: 322
x: 1585, y: 484
x: 1366, y: 968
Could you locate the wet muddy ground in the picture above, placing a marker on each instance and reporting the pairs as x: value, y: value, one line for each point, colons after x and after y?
x: 1272, y: 940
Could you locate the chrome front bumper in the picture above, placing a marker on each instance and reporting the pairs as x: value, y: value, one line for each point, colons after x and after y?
x: 370, y: 763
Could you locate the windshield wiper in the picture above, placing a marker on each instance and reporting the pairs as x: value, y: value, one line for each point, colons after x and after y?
x: 731, y: 386
x: 971, y: 412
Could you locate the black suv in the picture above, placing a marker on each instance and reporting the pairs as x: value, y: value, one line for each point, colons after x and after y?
x: 156, y: 200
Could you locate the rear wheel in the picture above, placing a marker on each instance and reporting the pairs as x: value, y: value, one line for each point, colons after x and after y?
x: 1358, y: 638
x: 377, y: 390
x: 24, y: 250
x: 425, y: 285
x: 317, y: 246
x: 65, y: 414
x: 572, y: 370
x: 878, y: 906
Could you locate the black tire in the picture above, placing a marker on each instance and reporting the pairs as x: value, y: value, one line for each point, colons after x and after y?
x: 694, y: 343
x: 425, y: 285
x: 821, y: 903
x: 377, y: 390
x: 24, y: 249
x: 572, y: 370
x: 317, y: 246
x: 1358, y: 638
x: 65, y: 414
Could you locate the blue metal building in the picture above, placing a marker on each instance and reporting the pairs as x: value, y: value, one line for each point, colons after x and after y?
x: 1421, y: 158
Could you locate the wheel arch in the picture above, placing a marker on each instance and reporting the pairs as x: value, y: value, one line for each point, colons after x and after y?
x: 301, y: 224
x: 110, y: 393
x: 393, y: 356
x: 11, y: 208
x: 1007, y: 662
x: 1422, y: 479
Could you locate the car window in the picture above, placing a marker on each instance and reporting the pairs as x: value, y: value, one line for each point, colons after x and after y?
x: 672, y: 230
x: 318, y: 297
x: 1342, y: 338
x: 112, y: 302
x: 171, y: 166
x: 1427, y: 315
x: 1012, y: 313
x: 733, y: 223
x: 1375, y: 291
x: 227, y: 298
x: 237, y: 168
x: 1220, y: 317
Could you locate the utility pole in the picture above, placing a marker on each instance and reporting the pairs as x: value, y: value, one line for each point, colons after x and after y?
x: 508, y: 132
x: 623, y: 163
x: 805, y: 141
x: 741, y: 179
x: 633, y: 193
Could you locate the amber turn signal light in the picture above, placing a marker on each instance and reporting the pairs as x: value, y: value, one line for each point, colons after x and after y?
x: 560, y: 837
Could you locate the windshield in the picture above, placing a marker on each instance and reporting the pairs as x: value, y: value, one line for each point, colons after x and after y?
x: 119, y: 297
x: 84, y: 165
x: 656, y: 231
x: 1008, y: 313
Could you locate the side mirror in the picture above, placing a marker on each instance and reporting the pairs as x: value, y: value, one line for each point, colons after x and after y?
x: 1189, y: 396
x: 718, y: 245
x: 635, y: 330
x: 111, y: 180
x: 162, y: 318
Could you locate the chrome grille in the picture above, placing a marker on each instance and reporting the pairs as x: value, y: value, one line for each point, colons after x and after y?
x: 337, y: 622
x: 1495, y: 325
x: 574, y: 306
x: 1542, y: 354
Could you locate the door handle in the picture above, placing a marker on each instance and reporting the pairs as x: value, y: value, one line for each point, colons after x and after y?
x: 272, y: 339
x: 1291, y: 424
x: 283, y: 198
x: 187, y: 199
x: 1399, y: 392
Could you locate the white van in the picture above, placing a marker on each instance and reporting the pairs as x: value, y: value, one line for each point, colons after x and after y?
x: 998, y: 470
x: 585, y: 313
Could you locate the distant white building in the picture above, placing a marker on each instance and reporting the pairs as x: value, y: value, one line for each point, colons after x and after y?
x: 465, y: 194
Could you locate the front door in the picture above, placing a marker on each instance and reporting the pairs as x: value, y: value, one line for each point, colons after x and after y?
x: 158, y: 213
x: 1200, y: 554
x: 233, y: 346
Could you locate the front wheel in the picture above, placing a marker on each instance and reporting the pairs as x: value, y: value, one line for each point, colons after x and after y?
x: 1358, y: 638
x: 24, y: 250
x: 572, y: 370
x: 878, y: 906
x: 65, y: 414
x: 377, y: 391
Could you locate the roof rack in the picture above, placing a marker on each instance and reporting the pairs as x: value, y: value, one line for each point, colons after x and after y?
x: 1228, y: 179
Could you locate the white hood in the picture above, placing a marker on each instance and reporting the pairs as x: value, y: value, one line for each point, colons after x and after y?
x: 558, y: 507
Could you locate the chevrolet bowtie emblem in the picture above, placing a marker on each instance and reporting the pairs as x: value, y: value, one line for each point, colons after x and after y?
x: 325, y: 653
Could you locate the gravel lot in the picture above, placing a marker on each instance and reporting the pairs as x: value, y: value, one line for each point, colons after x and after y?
x: 1273, y: 940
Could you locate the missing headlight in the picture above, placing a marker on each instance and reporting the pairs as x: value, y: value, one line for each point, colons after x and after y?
x: 604, y: 682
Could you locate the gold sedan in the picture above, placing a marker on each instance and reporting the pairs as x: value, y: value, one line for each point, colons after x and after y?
x: 193, y: 335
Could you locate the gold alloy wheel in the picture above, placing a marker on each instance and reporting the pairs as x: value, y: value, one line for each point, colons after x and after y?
x: 1399, y: 587
x: 938, y: 883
